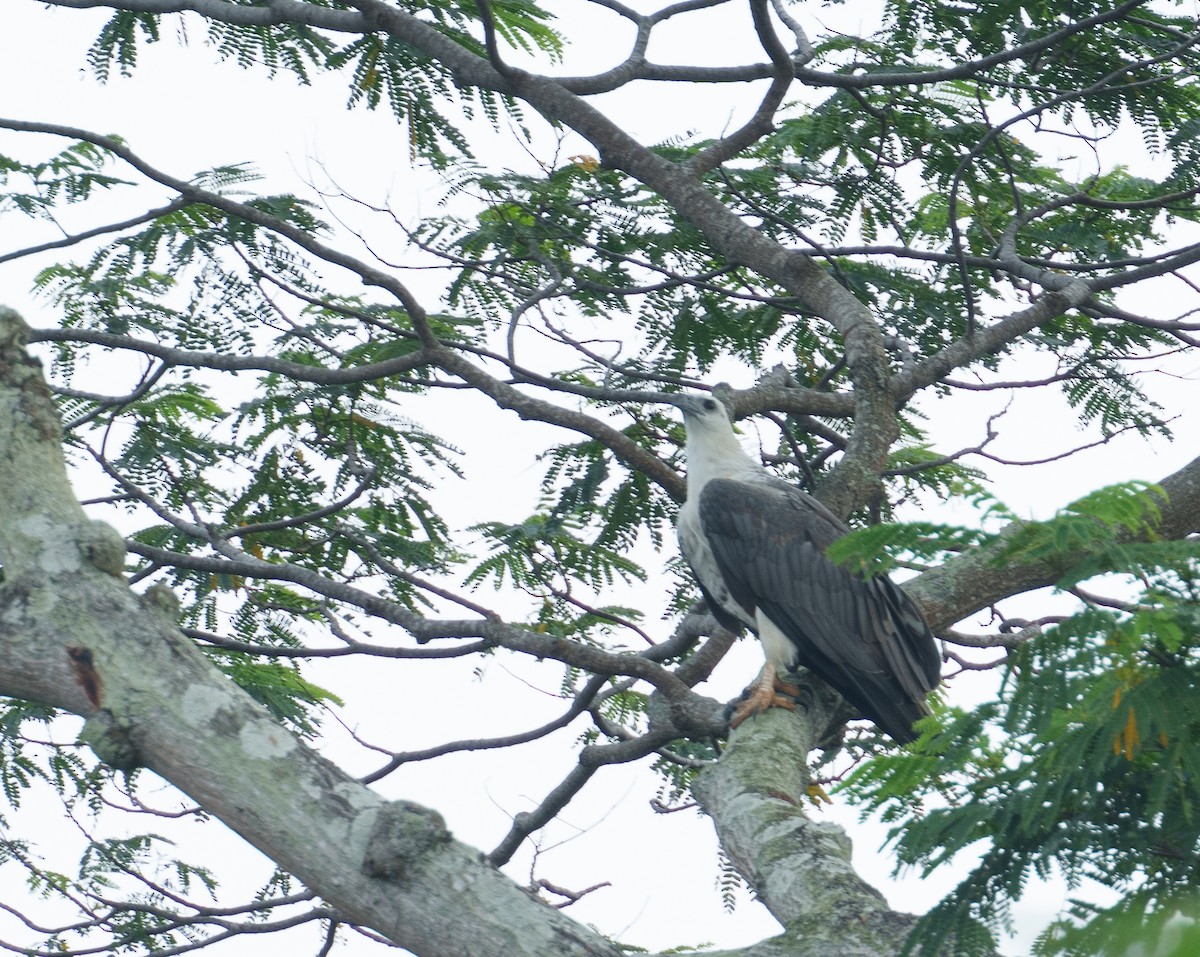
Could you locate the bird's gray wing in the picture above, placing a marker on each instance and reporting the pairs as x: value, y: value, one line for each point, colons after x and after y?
x: 694, y: 548
x: 864, y: 637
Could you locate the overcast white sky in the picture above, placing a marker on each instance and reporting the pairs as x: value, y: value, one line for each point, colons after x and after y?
x: 183, y: 114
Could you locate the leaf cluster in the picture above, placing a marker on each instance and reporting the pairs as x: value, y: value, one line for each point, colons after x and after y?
x: 421, y: 91
x: 1085, y: 767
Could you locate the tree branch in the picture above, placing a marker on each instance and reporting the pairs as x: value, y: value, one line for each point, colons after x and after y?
x: 975, y: 579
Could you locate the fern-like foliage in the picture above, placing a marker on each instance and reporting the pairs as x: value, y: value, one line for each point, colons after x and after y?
x: 1086, y: 766
x: 420, y: 91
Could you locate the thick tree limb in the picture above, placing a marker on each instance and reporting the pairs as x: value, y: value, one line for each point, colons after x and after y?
x: 274, y: 13
x: 974, y: 580
x: 798, y: 866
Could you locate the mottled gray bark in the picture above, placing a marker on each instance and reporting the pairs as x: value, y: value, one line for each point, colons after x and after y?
x: 798, y: 865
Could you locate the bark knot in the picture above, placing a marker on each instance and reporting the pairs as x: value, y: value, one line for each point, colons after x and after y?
x: 103, y: 547
x: 403, y: 833
x: 111, y: 742
x: 160, y: 597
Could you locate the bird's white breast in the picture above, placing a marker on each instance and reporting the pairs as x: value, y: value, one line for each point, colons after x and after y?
x: 713, y: 452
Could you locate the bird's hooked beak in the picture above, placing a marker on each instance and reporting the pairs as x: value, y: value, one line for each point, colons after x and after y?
x: 694, y: 404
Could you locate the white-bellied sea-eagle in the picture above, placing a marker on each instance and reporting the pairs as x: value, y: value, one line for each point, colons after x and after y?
x: 756, y: 545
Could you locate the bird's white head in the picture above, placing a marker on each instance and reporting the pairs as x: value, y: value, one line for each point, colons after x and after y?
x: 701, y: 408
x: 713, y: 450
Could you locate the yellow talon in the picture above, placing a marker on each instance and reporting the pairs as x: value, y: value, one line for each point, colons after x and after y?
x: 817, y: 794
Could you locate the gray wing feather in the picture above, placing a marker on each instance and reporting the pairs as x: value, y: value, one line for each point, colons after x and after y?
x: 863, y: 636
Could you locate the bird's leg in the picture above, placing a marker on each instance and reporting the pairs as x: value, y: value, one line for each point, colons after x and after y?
x: 764, y: 694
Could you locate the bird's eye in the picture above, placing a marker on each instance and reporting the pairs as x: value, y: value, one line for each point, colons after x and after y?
x: 710, y: 405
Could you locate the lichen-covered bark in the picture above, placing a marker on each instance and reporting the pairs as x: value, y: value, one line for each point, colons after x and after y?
x: 798, y: 866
